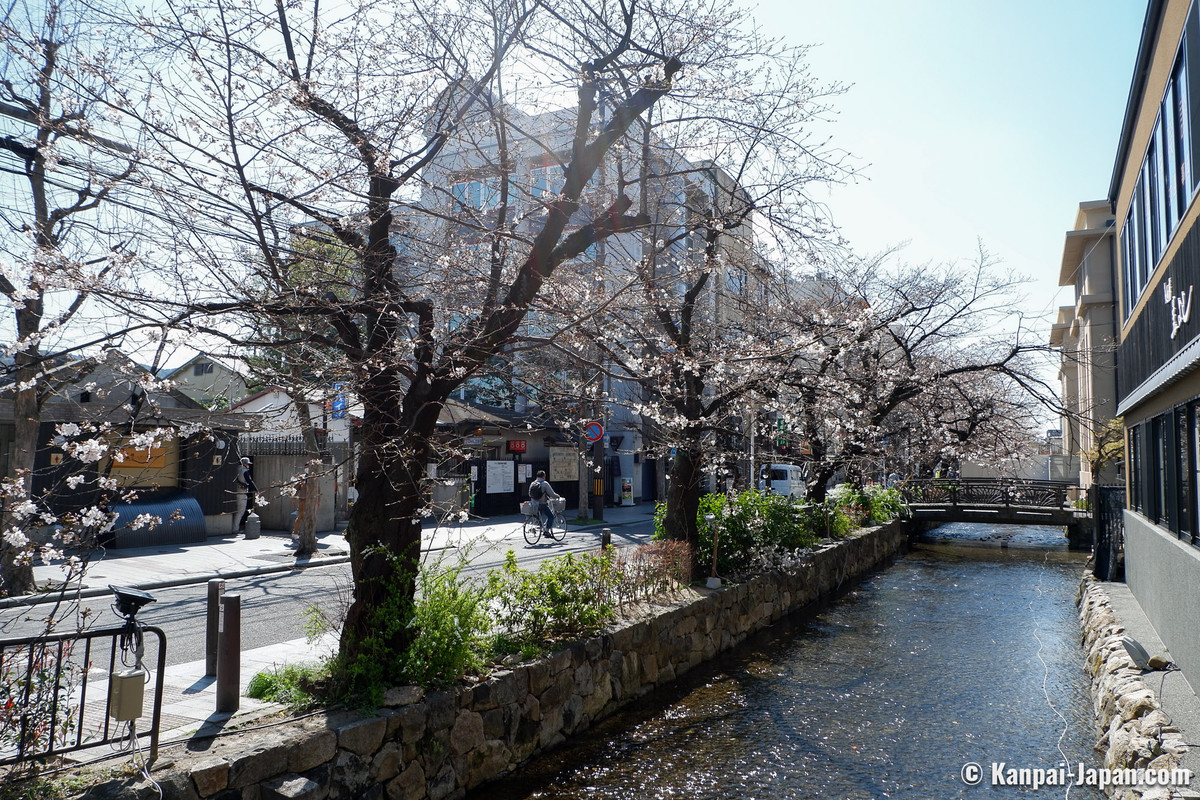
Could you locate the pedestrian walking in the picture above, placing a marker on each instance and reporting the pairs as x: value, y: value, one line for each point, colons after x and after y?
x: 246, y: 488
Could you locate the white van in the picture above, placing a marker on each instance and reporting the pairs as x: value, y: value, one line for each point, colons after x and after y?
x: 784, y: 479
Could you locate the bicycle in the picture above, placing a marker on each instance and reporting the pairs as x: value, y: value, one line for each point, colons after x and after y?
x: 532, y: 527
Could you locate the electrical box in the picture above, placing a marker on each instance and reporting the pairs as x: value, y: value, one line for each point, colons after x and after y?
x: 126, y: 688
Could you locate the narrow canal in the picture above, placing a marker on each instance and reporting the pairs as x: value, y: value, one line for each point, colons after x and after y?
x: 966, y: 650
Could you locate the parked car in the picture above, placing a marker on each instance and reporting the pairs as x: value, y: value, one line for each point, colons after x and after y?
x: 785, y: 479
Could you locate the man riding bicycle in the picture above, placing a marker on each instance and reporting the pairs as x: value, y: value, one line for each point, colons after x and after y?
x: 542, y: 493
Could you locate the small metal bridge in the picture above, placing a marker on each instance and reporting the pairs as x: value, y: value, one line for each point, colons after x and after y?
x: 1008, y: 501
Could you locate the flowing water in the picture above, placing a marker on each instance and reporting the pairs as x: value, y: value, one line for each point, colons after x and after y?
x: 965, y: 650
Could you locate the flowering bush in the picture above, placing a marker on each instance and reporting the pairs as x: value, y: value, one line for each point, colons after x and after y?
x: 758, y: 530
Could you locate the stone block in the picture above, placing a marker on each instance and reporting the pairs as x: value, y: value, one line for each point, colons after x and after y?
x: 398, y: 696
x: 293, y: 787
x: 583, y: 678
x: 539, y: 676
x: 363, y: 736
x: 444, y: 783
x: 386, y: 764
x: 442, y: 709
x: 174, y: 785
x: 1136, y: 704
x: 601, y: 694
x: 351, y: 772
x: 467, y: 732
x: 211, y: 776
x: 408, y: 724
x: 501, y: 689
x: 557, y: 692
x: 485, y: 763
x: 496, y: 721
x: 551, y: 727
x: 268, y: 760
x: 408, y: 785
x: 559, y: 661
x: 308, y: 752
x: 526, y: 739
x: 572, y: 716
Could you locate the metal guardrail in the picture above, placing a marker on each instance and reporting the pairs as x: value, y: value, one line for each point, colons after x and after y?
x: 986, y: 492
x: 47, y: 703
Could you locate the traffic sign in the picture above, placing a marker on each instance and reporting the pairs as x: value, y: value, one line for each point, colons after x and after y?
x: 594, y: 431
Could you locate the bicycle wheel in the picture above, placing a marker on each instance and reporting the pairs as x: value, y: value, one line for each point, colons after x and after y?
x: 532, y: 528
x: 558, y: 530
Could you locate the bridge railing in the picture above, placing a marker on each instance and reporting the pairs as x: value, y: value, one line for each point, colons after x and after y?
x: 986, y: 492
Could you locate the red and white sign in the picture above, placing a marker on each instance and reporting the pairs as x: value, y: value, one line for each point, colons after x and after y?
x: 517, y: 445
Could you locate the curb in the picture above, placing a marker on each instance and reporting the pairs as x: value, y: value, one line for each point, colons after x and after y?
x: 55, y: 597
x: 58, y: 596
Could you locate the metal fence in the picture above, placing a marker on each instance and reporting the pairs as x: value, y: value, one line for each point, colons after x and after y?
x: 54, y: 692
x: 1108, y: 506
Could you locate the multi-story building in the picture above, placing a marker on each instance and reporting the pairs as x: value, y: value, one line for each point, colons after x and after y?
x: 1153, y: 191
x: 479, y: 185
x: 1085, y: 334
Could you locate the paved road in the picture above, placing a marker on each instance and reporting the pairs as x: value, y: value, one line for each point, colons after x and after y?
x: 275, y: 605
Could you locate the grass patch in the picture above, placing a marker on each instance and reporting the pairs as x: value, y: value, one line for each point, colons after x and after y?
x: 298, y: 686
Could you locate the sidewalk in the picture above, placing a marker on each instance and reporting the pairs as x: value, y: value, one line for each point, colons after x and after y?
x: 188, y: 696
x: 1178, y: 700
x: 235, y: 556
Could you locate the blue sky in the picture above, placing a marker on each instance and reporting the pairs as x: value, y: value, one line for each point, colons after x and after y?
x: 972, y: 121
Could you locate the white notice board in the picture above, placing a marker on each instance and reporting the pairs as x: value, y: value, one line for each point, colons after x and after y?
x: 499, y: 477
x: 564, y: 464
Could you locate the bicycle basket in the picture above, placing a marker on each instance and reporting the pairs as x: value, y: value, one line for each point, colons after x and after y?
x: 558, y: 505
x: 529, y: 508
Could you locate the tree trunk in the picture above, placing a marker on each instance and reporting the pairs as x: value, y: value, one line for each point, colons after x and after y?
x: 384, y: 531
x: 16, y: 574
x: 818, y: 480
x: 305, y: 528
x: 683, y: 500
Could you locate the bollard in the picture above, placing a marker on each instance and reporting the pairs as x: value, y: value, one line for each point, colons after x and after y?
x: 253, y: 526
x: 216, y: 588
x: 229, y: 654
x: 606, y: 537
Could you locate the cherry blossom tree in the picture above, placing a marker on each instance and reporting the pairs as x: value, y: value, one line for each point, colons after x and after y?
x: 910, y: 363
x: 360, y: 122
x: 67, y: 236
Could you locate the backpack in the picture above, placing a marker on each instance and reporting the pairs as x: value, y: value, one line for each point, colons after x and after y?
x: 537, y: 490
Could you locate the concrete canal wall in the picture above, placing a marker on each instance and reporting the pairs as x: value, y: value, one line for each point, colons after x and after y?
x: 441, y: 744
x: 1135, y: 733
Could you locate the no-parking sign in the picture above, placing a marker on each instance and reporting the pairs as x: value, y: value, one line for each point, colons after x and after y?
x: 594, y: 431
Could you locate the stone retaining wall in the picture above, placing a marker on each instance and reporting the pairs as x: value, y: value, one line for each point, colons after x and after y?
x: 441, y: 744
x: 1135, y: 732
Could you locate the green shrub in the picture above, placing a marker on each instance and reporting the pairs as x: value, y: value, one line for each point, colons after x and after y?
x: 886, y: 503
x: 374, y: 668
x: 755, y: 530
x: 450, y: 621
x: 566, y: 597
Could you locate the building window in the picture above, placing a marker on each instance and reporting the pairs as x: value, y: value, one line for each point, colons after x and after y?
x: 1136, y: 469
x: 1157, y: 470
x: 202, y: 368
x: 1183, y: 473
x: 1166, y: 179
x: 482, y: 195
x: 545, y: 182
